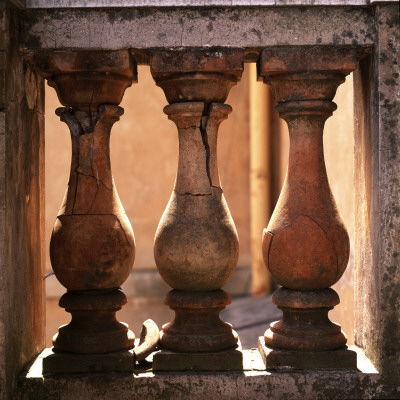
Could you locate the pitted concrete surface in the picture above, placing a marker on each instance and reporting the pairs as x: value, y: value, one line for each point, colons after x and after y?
x: 243, y: 27
x: 251, y: 383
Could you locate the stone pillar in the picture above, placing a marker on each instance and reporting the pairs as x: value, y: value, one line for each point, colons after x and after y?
x: 196, y: 245
x: 377, y: 188
x: 22, y: 298
x: 92, y: 248
x: 306, y: 245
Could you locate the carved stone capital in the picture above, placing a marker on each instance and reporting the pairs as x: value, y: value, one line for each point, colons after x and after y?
x: 197, y: 75
x: 86, y: 79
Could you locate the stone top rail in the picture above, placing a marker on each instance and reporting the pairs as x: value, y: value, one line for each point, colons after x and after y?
x: 250, y: 28
x: 195, y: 3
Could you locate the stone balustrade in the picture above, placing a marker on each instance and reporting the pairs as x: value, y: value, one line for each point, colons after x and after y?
x: 196, y: 248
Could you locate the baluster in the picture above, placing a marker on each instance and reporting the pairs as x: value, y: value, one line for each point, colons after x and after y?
x: 92, y: 247
x: 306, y: 245
x: 196, y: 245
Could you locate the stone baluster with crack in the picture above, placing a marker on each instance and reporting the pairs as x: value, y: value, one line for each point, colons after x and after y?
x: 196, y: 244
x: 92, y: 247
x: 306, y: 245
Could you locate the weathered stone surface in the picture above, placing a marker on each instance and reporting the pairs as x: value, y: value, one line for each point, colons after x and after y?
x: 306, y: 245
x: 177, y: 72
x: 149, y: 340
x: 252, y: 382
x: 191, y: 3
x: 305, y: 325
x: 228, y: 360
x: 197, y: 327
x: 93, y: 327
x: 377, y: 172
x: 281, y: 359
x: 253, y: 27
x: 82, y: 258
x: 92, y: 248
x: 196, y: 245
x: 102, y: 76
x: 70, y: 363
x: 21, y: 207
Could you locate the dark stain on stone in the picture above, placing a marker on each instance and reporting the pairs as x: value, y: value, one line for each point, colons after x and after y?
x: 383, y: 58
x: 257, y: 33
x: 234, y: 17
x: 347, y: 34
x: 33, y: 42
x: 210, y: 27
x: 392, y: 269
x: 369, y: 36
x: 390, y: 82
x: 336, y: 39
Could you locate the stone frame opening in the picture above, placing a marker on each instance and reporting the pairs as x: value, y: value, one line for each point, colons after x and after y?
x: 376, y: 179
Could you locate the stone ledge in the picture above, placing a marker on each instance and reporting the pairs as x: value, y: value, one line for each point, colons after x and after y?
x: 251, y: 383
x: 192, y: 3
x: 174, y: 27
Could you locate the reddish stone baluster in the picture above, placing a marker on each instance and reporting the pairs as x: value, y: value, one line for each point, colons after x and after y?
x: 196, y: 246
x: 92, y: 247
x: 306, y: 245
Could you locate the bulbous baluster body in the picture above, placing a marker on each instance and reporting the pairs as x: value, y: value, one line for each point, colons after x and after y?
x: 196, y: 245
x: 92, y: 245
x: 306, y: 245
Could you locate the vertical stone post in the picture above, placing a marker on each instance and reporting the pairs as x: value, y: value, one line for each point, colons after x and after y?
x: 196, y: 245
x: 306, y: 245
x: 92, y: 247
x: 22, y: 298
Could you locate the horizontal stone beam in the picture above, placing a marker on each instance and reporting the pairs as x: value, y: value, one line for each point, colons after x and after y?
x: 151, y: 28
x: 189, y: 3
x: 251, y: 383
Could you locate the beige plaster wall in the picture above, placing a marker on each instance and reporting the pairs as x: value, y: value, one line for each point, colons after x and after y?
x: 339, y: 157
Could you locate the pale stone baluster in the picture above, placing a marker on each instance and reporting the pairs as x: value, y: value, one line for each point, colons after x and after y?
x: 196, y: 245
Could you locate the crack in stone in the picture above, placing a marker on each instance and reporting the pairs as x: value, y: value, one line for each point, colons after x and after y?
x: 95, y: 178
x: 192, y: 194
x: 204, y: 137
x: 80, y: 123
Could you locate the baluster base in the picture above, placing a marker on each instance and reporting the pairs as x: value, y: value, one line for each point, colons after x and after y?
x: 197, y: 327
x: 93, y: 328
x: 66, y: 363
x: 305, y: 337
x: 288, y: 360
x: 226, y: 360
